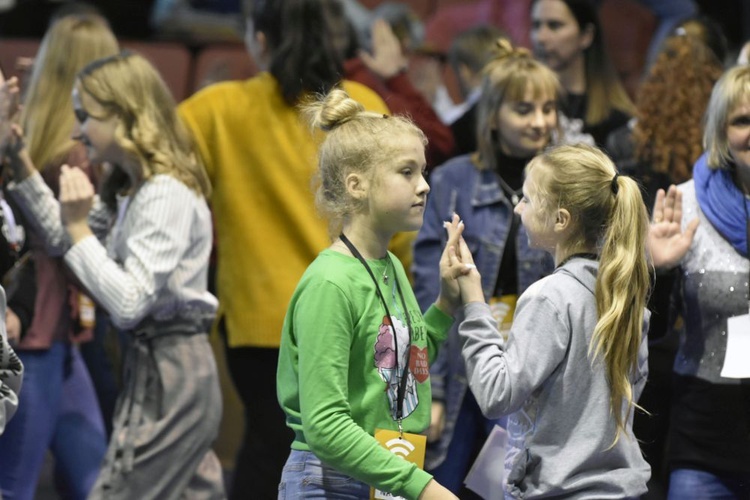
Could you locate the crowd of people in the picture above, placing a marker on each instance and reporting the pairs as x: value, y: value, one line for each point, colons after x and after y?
x: 396, y: 282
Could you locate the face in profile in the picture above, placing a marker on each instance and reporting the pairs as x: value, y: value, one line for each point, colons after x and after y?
x: 398, y: 192
x: 95, y: 127
x: 738, y: 134
x: 524, y: 127
x: 557, y: 38
x: 535, y: 218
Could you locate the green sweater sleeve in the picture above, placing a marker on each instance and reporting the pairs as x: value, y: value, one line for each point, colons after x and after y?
x: 326, y: 373
x: 438, y: 325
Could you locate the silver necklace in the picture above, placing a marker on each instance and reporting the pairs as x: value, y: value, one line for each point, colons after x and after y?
x: 387, y: 262
x: 514, y: 194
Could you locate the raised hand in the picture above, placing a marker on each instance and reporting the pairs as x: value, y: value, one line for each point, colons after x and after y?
x: 76, y: 199
x: 667, y: 242
x: 9, y: 92
x: 17, y: 154
x: 387, y: 58
x: 450, y: 294
x: 470, y: 281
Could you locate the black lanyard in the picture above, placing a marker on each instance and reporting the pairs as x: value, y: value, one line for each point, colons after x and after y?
x: 402, y: 381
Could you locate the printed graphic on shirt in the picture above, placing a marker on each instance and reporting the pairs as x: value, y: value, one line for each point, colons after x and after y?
x: 385, y: 361
x: 521, y: 425
x: 419, y: 363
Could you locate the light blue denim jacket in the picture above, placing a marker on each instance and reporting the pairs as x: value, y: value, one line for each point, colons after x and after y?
x: 476, y: 196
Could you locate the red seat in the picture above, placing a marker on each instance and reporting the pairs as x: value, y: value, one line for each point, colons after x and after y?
x: 422, y: 8
x: 512, y: 16
x: 13, y: 49
x: 627, y: 28
x: 452, y: 18
x: 172, y: 59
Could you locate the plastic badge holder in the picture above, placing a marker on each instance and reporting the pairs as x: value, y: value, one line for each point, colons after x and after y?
x: 486, y: 476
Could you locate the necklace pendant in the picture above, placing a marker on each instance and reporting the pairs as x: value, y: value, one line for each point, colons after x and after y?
x: 385, y: 279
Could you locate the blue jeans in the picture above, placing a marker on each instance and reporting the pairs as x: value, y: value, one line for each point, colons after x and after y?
x: 57, y: 411
x: 101, y: 368
x: 688, y: 484
x: 305, y: 476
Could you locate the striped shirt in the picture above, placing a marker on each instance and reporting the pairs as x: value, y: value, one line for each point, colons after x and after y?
x: 152, y: 261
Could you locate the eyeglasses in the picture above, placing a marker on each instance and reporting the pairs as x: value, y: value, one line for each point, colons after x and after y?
x: 81, y: 115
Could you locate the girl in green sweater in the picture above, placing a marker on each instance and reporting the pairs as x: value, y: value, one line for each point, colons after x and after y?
x: 353, y: 375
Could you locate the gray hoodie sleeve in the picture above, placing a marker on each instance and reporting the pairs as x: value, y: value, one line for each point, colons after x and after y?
x: 11, y: 372
x: 502, y: 375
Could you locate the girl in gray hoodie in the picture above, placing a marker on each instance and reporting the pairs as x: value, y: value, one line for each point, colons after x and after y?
x: 574, y: 364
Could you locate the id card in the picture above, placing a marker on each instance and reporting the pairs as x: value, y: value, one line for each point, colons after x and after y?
x: 738, y: 348
x: 411, y: 448
x: 487, y: 474
x: 502, y: 309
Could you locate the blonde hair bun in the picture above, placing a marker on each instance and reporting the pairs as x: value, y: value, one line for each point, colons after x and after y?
x: 503, y: 49
x: 335, y: 109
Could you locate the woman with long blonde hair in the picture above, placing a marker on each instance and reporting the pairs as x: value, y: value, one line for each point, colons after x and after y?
x: 60, y: 410
x: 70, y: 44
x: 574, y: 364
x: 151, y: 277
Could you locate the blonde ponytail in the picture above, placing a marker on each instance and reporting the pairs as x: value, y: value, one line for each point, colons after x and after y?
x: 609, y: 214
x: 621, y: 288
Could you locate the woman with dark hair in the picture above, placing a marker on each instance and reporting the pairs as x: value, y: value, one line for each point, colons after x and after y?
x: 260, y: 157
x: 567, y: 36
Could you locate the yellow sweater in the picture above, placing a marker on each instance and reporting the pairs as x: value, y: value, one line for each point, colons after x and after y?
x: 260, y: 157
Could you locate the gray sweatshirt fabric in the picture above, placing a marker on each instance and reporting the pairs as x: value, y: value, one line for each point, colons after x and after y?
x: 560, y: 427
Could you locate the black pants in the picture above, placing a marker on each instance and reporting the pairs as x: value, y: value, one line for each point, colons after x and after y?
x: 265, y: 445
